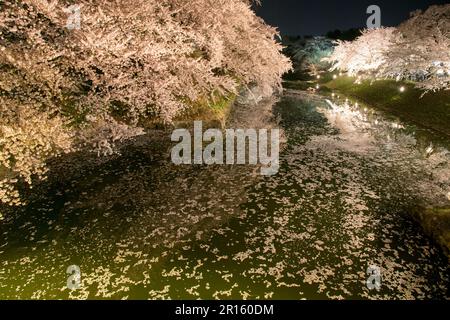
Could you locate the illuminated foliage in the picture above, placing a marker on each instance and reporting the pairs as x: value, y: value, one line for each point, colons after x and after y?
x: 418, y: 50
x: 94, y: 85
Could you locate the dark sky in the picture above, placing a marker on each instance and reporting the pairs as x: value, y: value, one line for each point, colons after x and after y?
x: 317, y: 17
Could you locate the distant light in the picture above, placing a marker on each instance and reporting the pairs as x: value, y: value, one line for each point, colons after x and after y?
x: 333, y: 95
x: 318, y: 76
x: 356, y: 104
x: 317, y: 87
x: 340, y: 74
x: 335, y: 77
x: 402, y: 89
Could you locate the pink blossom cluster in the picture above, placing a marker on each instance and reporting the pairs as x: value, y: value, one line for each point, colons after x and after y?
x: 128, y: 61
x: 417, y: 50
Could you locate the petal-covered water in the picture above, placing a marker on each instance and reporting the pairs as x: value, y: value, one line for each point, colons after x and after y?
x: 140, y: 227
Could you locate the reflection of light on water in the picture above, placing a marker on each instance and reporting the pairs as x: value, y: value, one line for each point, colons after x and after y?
x: 429, y: 151
x: 396, y: 125
x: 355, y: 118
x: 370, y: 133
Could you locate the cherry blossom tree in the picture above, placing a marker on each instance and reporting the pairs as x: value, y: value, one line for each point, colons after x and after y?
x: 365, y: 55
x: 421, y: 51
x: 417, y: 50
x: 66, y: 87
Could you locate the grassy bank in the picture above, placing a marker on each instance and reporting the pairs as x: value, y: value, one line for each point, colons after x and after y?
x: 212, y: 112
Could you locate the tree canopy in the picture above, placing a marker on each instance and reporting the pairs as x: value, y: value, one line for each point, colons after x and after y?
x: 63, y: 88
x: 417, y: 50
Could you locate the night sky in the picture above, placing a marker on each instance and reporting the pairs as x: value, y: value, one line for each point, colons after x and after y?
x: 317, y: 17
